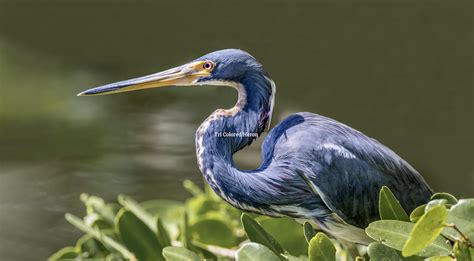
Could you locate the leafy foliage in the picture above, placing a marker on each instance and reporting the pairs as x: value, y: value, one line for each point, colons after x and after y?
x: 395, y: 233
x: 258, y: 235
x: 426, y: 230
x: 379, y: 251
x: 439, y: 230
x: 462, y: 215
x: 205, y: 227
x: 137, y: 237
x: 309, y: 231
x: 321, y: 248
x: 450, y: 199
x: 179, y: 254
x: 389, y: 207
x: 254, y: 251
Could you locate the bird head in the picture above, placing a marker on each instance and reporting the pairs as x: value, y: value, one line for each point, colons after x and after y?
x: 222, y: 67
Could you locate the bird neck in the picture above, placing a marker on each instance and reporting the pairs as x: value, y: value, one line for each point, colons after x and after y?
x: 227, y: 131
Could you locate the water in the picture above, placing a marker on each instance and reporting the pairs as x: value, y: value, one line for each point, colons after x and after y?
x: 399, y: 72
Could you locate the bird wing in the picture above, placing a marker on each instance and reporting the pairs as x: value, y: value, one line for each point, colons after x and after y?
x: 349, y: 185
x: 345, y: 167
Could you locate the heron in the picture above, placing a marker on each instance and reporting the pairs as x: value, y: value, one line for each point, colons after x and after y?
x: 313, y: 168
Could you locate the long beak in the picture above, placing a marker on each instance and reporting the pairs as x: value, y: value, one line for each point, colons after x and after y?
x: 184, y: 75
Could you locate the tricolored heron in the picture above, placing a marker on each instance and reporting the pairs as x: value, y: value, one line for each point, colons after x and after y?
x: 314, y: 168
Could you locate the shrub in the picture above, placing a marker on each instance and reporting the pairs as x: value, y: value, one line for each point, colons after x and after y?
x: 207, y: 227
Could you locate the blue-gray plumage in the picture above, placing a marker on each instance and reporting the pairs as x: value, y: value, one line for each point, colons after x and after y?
x: 314, y: 168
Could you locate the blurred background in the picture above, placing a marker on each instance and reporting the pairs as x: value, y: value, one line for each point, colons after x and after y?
x: 399, y: 71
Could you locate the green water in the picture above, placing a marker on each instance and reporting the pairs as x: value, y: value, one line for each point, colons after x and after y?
x: 400, y: 72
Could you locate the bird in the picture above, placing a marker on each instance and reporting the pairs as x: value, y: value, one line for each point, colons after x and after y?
x: 313, y: 168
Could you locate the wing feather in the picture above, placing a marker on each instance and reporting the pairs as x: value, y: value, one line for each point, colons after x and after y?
x: 346, y: 167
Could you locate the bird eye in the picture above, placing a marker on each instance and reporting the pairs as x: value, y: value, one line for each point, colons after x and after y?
x: 208, y: 66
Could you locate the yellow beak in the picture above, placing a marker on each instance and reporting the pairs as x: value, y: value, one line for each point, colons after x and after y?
x: 184, y: 75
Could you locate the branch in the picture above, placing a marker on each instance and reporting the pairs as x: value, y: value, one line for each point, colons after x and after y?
x: 464, y: 236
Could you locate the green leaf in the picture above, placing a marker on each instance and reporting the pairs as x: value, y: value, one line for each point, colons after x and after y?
x: 138, y: 211
x: 184, y: 234
x: 253, y: 251
x: 91, y: 246
x: 321, y: 248
x: 163, y: 236
x: 205, y: 250
x: 140, y: 239
x: 379, y: 251
x: 461, y: 252
x: 462, y: 215
x: 287, y: 232
x: 258, y: 235
x: 64, y: 253
x: 395, y: 233
x: 450, y: 199
x: 92, y: 218
x: 440, y: 258
x: 169, y: 212
x: 435, y: 203
x: 97, y: 205
x: 107, y: 240
x: 232, y: 221
x: 153, y: 223
x: 309, y: 231
x: 100, y: 224
x: 417, y: 213
x: 426, y: 230
x: 389, y: 207
x: 172, y: 253
x: 213, y: 232
x: 112, y: 257
x: 200, y: 205
x: 289, y: 257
